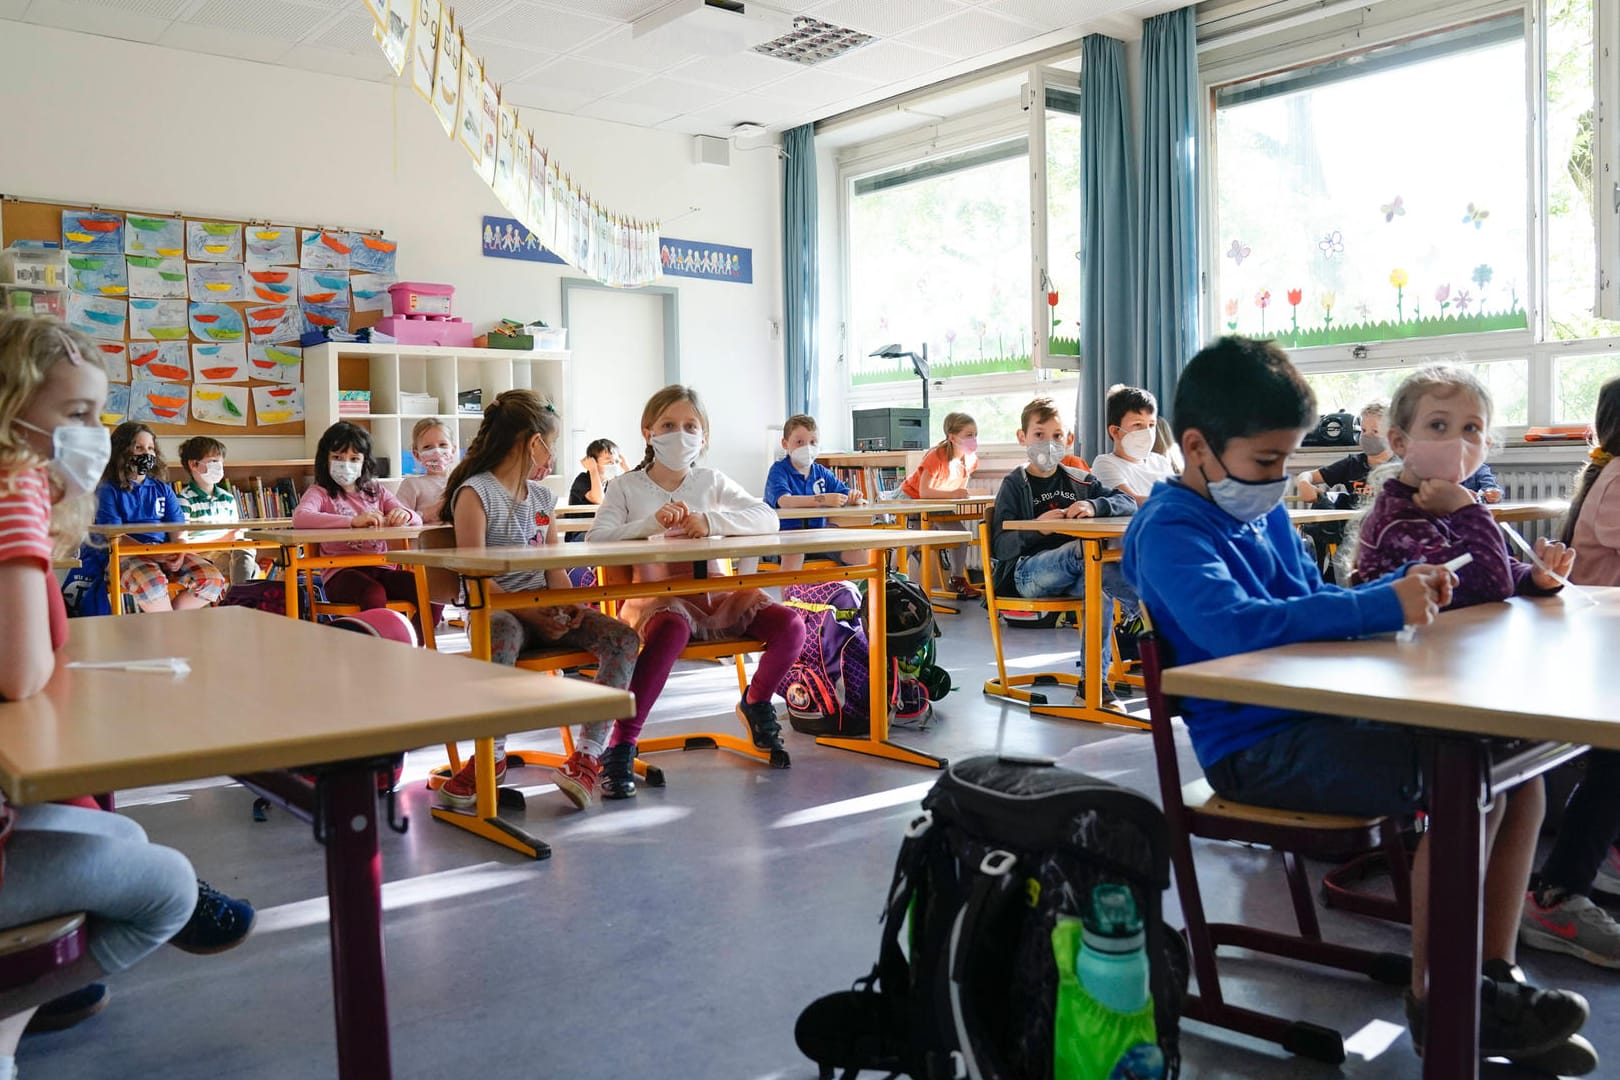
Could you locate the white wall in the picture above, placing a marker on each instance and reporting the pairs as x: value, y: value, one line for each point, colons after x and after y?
x: 152, y: 128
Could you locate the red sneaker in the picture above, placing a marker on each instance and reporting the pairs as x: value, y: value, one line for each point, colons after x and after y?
x: 460, y: 792
x: 578, y: 777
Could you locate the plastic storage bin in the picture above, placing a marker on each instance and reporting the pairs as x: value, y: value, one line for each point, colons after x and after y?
x: 27, y: 300
x: 44, y: 268
x: 550, y: 337
x: 411, y: 298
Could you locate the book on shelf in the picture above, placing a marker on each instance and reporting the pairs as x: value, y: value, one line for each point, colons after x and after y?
x: 257, y: 502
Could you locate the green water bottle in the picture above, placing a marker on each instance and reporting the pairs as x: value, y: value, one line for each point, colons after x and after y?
x: 1105, y: 1027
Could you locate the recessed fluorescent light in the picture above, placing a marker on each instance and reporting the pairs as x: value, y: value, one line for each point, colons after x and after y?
x: 812, y: 41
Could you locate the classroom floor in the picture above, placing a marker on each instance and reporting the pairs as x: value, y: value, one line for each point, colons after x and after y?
x: 677, y: 934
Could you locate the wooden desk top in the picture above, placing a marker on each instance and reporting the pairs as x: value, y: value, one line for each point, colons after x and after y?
x: 488, y: 562
x: 288, y: 537
x: 1529, y: 511
x: 248, y: 703
x: 65, y: 564
x: 1472, y: 670
x: 190, y: 527
x: 1103, y: 528
x: 577, y: 510
x: 865, y: 510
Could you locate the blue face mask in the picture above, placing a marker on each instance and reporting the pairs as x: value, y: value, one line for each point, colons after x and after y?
x: 1245, y: 500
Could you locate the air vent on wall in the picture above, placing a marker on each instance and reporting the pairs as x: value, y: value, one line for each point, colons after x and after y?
x: 812, y: 41
x: 712, y: 27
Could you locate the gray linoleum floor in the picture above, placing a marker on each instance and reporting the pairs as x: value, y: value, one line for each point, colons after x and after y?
x: 674, y: 935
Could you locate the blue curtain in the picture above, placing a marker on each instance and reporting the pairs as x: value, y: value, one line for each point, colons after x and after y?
x: 801, y: 280
x: 1168, y: 304
x: 1108, y: 237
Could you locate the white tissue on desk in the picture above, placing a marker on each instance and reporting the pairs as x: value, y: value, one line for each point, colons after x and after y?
x: 159, y: 665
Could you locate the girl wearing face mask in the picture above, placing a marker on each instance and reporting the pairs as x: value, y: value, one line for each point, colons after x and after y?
x: 495, y: 499
x: 134, y: 490
x: 1438, y: 424
x: 944, y: 473
x: 346, y: 495
x: 669, y: 493
x: 434, y: 446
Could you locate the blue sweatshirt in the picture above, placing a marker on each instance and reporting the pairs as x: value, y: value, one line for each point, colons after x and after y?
x: 150, y: 500
x: 1216, y: 586
x: 784, y: 479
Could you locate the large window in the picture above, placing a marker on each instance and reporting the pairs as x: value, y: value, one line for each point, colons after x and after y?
x: 1426, y: 184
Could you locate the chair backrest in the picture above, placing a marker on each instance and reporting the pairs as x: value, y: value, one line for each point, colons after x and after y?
x: 1162, y: 710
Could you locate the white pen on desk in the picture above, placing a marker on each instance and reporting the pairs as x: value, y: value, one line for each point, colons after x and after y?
x: 161, y: 665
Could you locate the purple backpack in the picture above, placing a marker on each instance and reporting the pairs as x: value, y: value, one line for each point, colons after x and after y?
x: 827, y: 688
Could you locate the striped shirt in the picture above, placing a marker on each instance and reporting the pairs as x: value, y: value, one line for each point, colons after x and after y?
x: 509, y: 523
x: 25, y: 517
x: 220, y: 505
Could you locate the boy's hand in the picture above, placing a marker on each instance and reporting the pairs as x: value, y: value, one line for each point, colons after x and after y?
x: 1081, y: 509
x: 398, y: 516
x: 1557, y: 558
x: 1050, y: 515
x: 1442, y: 497
x: 590, y: 465
x: 696, y: 526
x: 366, y: 519
x: 1493, y: 495
x: 857, y: 499
x: 833, y: 498
x: 1423, y: 592
x: 672, y: 514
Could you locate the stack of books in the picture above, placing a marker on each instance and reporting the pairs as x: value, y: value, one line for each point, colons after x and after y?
x: 414, y: 404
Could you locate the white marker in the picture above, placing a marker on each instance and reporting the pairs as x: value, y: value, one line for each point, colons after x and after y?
x: 1459, y: 562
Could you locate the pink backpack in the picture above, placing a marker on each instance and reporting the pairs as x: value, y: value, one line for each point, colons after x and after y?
x: 827, y: 687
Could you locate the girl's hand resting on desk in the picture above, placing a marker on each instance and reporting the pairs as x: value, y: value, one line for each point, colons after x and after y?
x: 1557, y: 558
x: 695, y: 527
x: 1423, y: 592
x: 366, y: 519
x: 1442, y: 497
x: 672, y: 514
x: 397, y: 516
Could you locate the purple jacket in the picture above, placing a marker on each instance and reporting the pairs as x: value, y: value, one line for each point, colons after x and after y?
x: 1395, y: 532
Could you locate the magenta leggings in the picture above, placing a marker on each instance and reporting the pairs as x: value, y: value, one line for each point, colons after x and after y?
x: 665, y: 634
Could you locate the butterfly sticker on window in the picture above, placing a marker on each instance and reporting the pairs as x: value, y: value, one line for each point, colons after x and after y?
x: 1238, y: 252
x: 1332, y: 244
x: 1475, y: 216
x: 1393, y: 209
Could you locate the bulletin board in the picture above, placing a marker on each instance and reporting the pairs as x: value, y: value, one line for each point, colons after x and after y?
x: 198, y: 318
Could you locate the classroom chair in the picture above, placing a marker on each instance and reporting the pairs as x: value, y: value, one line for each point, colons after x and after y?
x: 1195, y: 810
x: 28, y: 953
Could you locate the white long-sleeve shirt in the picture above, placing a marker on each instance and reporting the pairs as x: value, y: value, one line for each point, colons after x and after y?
x: 631, y: 501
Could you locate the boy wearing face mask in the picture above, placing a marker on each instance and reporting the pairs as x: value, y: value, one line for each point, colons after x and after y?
x: 205, y: 496
x: 1035, y: 565
x: 1351, y: 471
x: 796, y: 481
x: 1133, y: 467
x: 601, y: 464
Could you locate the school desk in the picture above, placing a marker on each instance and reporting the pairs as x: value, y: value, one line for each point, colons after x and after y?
x: 477, y: 565
x: 1451, y: 681
x: 119, y: 545
x: 866, y: 511
x: 577, y: 510
x: 1528, y: 511
x: 300, y: 552
x: 932, y: 511
x: 84, y: 735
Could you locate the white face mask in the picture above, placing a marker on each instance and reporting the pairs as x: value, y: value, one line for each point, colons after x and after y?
x: 212, y: 473
x: 1045, y: 454
x: 803, y: 456
x: 610, y: 471
x: 345, y: 472
x: 677, y: 450
x: 79, y: 453
x: 1138, y: 444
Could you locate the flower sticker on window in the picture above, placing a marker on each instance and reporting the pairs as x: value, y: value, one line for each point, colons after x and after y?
x: 1393, y: 209
x: 1332, y: 244
x: 1262, y: 300
x: 1238, y: 252
x: 1475, y: 216
x: 1231, y: 315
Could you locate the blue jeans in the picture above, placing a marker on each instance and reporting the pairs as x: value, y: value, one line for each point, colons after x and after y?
x: 1061, y: 571
x: 1331, y: 765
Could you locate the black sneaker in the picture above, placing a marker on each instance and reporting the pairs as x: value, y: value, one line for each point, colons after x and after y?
x: 1517, y: 1021
x: 618, y: 772
x: 217, y: 923
x: 764, y: 729
x: 1572, y: 1057
x: 68, y: 1010
x: 1107, y: 699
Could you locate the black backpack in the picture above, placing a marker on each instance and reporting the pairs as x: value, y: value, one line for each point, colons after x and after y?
x: 1003, y: 848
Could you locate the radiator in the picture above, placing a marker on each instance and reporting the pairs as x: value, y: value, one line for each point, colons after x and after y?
x: 1531, y: 483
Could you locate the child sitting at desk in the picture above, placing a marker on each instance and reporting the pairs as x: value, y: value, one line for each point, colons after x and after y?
x: 944, y: 473
x: 61, y: 858
x: 496, y: 499
x: 1351, y: 471
x: 133, y: 491
x: 601, y: 464
x: 1484, y: 485
x: 205, y: 496
x: 346, y: 495
x: 1134, y: 466
x: 1219, y: 567
x: 1040, y: 564
x: 434, y: 446
x: 670, y: 494
x: 796, y: 481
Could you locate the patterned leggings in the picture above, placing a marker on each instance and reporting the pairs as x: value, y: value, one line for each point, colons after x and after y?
x: 612, y: 643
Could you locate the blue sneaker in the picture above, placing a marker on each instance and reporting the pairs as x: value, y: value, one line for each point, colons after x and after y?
x: 217, y: 923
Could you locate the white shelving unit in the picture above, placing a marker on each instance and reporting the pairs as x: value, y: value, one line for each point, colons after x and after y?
x: 424, y: 369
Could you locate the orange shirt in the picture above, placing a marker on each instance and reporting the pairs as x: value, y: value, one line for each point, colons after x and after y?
x: 952, y: 474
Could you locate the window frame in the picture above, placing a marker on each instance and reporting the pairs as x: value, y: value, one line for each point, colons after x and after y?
x: 1387, y: 22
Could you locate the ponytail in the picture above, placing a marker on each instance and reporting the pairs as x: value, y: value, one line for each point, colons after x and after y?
x: 515, y: 417
x: 1606, y: 440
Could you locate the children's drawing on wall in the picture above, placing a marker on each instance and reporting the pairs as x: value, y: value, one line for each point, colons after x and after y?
x: 223, y: 363
x: 517, y: 201
x: 162, y: 236
x: 278, y: 404
x: 213, y: 241
x: 469, y: 110
x: 428, y: 17
x: 273, y: 285
x: 271, y: 245
x: 217, y: 283
x: 447, y: 72
x: 157, y: 320
x: 394, y: 32
x: 223, y: 405
x: 323, y: 249
x: 114, y: 360
x: 276, y: 363
x: 166, y: 356
x: 325, y: 318
x: 712, y: 262
x: 506, y: 128
x: 274, y: 324
x: 216, y: 322
x: 489, y: 99
x: 509, y: 238
x: 369, y: 292
x: 92, y: 232
x: 372, y: 254
x: 152, y: 402
x: 102, y: 317
x: 159, y: 277
x: 117, y: 407
x: 323, y: 287
x: 98, y: 275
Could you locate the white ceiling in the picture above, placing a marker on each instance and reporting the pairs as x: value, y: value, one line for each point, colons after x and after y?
x: 577, y: 56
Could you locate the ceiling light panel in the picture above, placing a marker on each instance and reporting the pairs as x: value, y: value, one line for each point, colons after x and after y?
x: 812, y: 42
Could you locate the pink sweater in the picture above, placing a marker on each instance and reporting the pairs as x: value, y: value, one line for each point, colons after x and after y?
x: 1597, y: 531
x: 319, y: 510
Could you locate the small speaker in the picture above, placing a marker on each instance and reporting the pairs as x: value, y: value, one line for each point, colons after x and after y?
x: 708, y: 150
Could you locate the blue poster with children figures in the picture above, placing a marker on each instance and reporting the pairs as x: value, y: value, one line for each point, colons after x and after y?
x: 711, y: 262
x: 509, y: 238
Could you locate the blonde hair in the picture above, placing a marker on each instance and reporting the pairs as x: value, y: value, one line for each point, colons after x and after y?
x: 663, y: 399
x: 29, y: 349
x: 799, y: 420
x: 427, y: 424
x: 954, y: 423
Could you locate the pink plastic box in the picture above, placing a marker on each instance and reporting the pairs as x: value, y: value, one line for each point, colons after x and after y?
x: 454, y: 333
x: 417, y: 298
